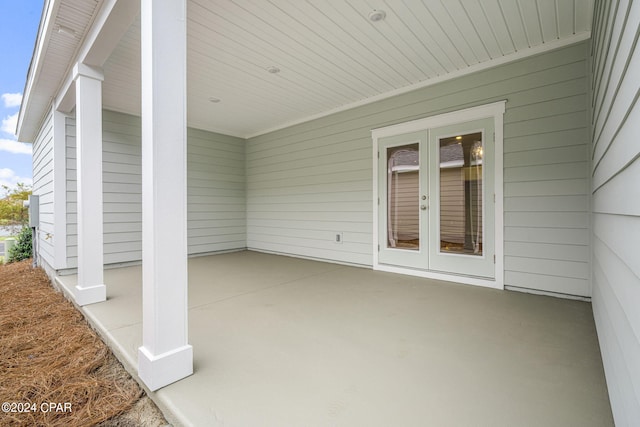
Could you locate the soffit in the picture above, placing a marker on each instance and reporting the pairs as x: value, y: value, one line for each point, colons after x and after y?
x: 57, y: 44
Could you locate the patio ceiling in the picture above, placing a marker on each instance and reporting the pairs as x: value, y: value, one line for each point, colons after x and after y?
x: 331, y: 56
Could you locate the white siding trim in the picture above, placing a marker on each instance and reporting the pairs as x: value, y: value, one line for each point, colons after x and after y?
x: 494, y: 110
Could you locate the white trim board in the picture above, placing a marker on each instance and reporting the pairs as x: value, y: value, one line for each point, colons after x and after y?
x: 494, y: 110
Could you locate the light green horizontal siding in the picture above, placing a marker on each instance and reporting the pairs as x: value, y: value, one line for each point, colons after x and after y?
x: 43, y: 187
x: 615, y: 120
x: 308, y: 182
x: 121, y: 174
x: 215, y: 191
x: 71, y: 196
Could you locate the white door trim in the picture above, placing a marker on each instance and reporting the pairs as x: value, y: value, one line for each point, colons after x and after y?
x: 494, y: 110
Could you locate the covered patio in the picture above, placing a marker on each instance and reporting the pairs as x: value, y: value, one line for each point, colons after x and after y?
x: 299, y: 342
x: 181, y: 147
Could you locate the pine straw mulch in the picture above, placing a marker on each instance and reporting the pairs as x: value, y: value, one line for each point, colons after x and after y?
x: 49, y: 354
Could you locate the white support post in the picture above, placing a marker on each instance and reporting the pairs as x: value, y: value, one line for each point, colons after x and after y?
x: 90, y: 288
x: 165, y: 355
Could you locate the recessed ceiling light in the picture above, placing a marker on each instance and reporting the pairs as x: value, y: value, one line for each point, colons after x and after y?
x: 273, y: 70
x: 214, y: 99
x: 458, y: 137
x: 377, y: 15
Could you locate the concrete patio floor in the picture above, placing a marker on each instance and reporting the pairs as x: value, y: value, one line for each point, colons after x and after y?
x: 281, y: 341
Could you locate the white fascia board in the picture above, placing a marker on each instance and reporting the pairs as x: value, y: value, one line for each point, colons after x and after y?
x: 45, y: 29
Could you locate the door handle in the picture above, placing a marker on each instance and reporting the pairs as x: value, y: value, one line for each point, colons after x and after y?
x: 423, y: 207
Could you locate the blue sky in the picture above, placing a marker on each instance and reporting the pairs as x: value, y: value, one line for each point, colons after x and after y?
x: 19, y: 21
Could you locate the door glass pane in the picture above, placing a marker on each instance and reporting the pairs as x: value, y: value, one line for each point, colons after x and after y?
x: 403, y: 186
x: 461, y: 207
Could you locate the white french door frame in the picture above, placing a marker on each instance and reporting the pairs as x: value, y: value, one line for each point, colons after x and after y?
x: 495, y: 111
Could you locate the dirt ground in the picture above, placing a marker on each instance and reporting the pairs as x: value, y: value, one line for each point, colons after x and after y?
x: 54, y: 368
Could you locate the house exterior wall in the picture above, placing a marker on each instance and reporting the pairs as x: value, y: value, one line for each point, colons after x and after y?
x: 615, y: 121
x: 215, y: 177
x: 71, y: 182
x: 43, y: 186
x: 307, y: 182
x: 121, y: 174
x: 216, y: 192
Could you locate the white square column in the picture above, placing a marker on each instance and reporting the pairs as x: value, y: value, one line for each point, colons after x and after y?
x: 165, y: 355
x: 90, y: 288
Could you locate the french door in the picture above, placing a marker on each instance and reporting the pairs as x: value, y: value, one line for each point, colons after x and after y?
x: 436, y: 199
x: 403, y: 184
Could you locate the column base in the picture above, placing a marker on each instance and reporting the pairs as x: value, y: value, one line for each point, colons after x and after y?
x: 90, y: 294
x: 166, y: 368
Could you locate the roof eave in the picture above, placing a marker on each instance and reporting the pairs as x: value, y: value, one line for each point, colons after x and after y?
x: 26, y: 129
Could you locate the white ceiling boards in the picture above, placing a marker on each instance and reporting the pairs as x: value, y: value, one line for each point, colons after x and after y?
x: 330, y: 55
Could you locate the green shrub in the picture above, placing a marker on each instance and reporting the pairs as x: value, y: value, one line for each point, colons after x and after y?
x: 22, y: 249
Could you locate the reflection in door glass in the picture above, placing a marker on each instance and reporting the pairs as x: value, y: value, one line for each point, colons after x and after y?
x: 403, y: 186
x: 461, y: 194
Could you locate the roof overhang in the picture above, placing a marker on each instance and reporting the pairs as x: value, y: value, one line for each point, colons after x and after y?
x: 68, y: 36
x: 332, y: 56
